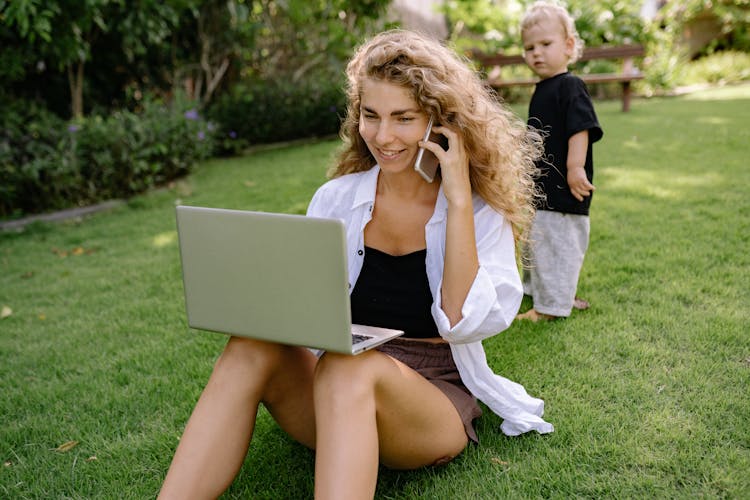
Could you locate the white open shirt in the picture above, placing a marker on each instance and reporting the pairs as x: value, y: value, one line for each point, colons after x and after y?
x: 490, y: 307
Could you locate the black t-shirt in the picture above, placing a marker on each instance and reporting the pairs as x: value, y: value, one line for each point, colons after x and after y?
x: 561, y: 107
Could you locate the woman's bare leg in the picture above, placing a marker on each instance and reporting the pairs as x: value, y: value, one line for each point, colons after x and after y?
x: 216, y: 438
x: 369, y: 409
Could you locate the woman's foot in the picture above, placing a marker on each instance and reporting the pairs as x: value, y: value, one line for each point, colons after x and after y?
x: 534, y: 316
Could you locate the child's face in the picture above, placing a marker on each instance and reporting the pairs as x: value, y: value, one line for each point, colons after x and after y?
x: 546, y: 49
x: 391, y: 124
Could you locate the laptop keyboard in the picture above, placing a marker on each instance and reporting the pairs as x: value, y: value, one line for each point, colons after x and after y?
x: 359, y: 338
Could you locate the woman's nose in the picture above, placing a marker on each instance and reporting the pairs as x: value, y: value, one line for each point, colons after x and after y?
x: 384, y: 133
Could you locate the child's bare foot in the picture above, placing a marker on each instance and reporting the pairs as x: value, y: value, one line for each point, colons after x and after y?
x: 580, y: 304
x: 534, y: 316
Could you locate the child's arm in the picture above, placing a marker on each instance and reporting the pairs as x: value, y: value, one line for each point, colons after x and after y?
x: 578, y: 183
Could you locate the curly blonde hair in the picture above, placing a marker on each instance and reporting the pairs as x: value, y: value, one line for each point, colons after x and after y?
x: 545, y: 10
x: 500, y: 147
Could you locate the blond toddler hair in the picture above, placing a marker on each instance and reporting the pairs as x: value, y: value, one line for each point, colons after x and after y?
x: 556, y: 12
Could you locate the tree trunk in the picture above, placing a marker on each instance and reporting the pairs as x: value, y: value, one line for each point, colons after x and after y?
x: 212, y: 66
x: 75, y: 81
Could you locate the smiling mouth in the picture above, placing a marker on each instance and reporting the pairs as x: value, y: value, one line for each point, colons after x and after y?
x: 389, y: 154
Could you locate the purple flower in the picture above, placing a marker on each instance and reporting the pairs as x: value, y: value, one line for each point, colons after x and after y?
x: 201, y: 135
x: 191, y: 114
x: 72, y: 128
x: 232, y: 134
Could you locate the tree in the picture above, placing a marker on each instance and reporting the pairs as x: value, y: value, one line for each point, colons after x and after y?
x: 62, y: 33
x: 213, y: 35
x: 107, y: 49
x: 300, y: 36
x: 731, y: 16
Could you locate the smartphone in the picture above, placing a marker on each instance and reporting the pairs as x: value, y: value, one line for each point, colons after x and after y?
x: 427, y: 163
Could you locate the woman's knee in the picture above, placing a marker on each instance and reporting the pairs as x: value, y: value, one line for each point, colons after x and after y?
x: 339, y: 374
x: 243, y: 356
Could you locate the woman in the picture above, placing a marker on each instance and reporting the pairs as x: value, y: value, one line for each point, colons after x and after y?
x: 436, y: 260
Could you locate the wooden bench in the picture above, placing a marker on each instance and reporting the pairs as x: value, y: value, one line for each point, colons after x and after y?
x: 493, y: 63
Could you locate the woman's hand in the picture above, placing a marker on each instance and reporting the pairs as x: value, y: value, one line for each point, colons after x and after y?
x: 454, y: 165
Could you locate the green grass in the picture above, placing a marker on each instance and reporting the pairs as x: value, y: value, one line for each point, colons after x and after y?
x: 648, y: 390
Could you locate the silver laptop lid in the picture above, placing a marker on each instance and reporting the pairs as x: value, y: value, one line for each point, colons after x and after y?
x: 269, y: 276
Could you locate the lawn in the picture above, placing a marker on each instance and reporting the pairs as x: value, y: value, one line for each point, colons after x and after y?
x: 648, y: 390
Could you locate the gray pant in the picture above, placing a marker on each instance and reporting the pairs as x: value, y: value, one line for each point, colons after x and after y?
x: 553, y: 258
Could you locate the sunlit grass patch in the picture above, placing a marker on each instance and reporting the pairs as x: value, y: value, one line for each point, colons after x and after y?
x: 647, y: 389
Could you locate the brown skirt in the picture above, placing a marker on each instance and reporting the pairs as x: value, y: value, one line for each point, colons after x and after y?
x: 435, y: 363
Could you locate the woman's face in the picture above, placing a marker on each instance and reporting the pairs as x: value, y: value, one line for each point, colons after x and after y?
x: 391, y: 124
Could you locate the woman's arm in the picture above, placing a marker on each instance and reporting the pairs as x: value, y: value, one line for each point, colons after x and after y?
x: 461, y: 259
x: 495, y: 293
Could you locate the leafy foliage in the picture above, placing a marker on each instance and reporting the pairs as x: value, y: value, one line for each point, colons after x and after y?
x: 290, y: 85
x: 667, y: 61
x: 61, y: 33
x: 278, y: 63
x: 733, y: 17
x: 493, y: 25
x: 108, y: 50
x: 302, y: 37
x: 258, y: 112
x: 50, y: 164
x: 262, y: 70
x: 32, y: 160
x: 719, y: 68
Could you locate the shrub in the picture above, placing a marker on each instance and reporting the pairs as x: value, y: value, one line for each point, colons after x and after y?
x: 33, y: 165
x: 720, y: 67
x: 257, y: 112
x: 47, y: 164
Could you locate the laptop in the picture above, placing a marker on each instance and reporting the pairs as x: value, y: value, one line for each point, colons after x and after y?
x: 276, y: 277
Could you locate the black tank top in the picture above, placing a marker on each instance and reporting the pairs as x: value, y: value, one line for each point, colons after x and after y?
x: 393, y: 292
